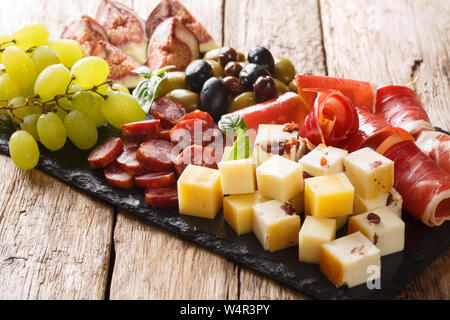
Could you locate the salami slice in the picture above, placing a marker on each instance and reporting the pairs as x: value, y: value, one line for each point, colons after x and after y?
x: 198, y: 155
x: 162, y: 197
x: 128, y: 162
x: 164, y: 135
x: 150, y: 128
x: 156, y: 180
x: 117, y: 177
x: 156, y: 155
x: 167, y: 111
x: 191, y: 132
x: 106, y: 153
x: 200, y: 115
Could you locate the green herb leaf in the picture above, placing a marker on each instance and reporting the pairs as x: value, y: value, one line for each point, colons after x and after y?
x: 230, y: 122
x: 147, y: 90
x: 242, y: 147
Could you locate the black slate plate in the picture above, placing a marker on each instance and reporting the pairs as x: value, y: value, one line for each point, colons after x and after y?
x: 423, y: 244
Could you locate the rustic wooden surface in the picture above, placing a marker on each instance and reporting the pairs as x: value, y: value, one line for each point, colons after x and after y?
x: 58, y: 243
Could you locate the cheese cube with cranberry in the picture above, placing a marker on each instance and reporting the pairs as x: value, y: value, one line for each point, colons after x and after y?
x: 237, y: 176
x: 298, y: 202
x: 276, y: 225
x: 238, y: 211
x: 395, y: 202
x: 329, y: 196
x: 371, y: 173
x: 313, y: 234
x: 381, y: 226
x: 349, y: 260
x: 392, y: 199
x: 323, y: 160
x: 200, y: 192
x: 279, y: 178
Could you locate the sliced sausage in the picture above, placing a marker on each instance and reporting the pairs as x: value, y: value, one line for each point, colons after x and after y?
x: 129, y: 163
x: 156, y: 155
x: 162, y: 197
x: 106, y: 153
x: 197, y: 155
x: 168, y: 111
x: 200, y: 115
x: 165, y: 135
x: 149, y: 128
x: 156, y: 180
x: 191, y: 132
x: 117, y: 177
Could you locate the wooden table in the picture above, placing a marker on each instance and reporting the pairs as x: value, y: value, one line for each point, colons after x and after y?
x: 58, y: 243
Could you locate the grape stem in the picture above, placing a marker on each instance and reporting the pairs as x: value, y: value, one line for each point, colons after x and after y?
x: 6, y: 42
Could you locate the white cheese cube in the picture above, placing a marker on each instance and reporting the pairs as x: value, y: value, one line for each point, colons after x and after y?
x: 238, y: 176
x: 276, y: 225
x: 381, y: 226
x: 341, y: 221
x: 323, y: 160
x: 348, y: 260
x: 313, y: 234
x: 279, y: 178
x: 371, y: 173
x: 395, y: 202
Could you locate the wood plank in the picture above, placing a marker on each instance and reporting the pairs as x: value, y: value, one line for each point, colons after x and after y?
x: 394, y: 42
x: 298, y: 37
x: 153, y: 264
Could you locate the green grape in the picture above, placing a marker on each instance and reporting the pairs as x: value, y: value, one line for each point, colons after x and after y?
x: 51, y: 131
x: 31, y: 35
x: 8, y: 89
x: 90, y: 105
x: 81, y: 130
x: 60, y: 113
x: 69, y: 51
x: 96, y: 115
x: 21, y: 69
x: 66, y: 104
x: 120, y: 108
x: 5, y: 41
x: 29, y: 125
x: 89, y: 72
x: 43, y: 57
x: 118, y: 87
x: 52, y: 81
x: 20, y: 113
x: 24, y: 150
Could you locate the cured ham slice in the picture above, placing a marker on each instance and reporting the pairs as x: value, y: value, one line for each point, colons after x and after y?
x: 333, y: 118
x: 437, y: 146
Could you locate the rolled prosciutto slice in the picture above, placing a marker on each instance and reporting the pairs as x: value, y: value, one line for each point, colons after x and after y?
x: 333, y: 119
x: 436, y: 145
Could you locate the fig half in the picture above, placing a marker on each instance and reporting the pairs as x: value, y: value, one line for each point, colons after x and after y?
x: 172, y: 44
x: 125, y: 29
x: 87, y: 32
x: 121, y: 65
x: 173, y: 8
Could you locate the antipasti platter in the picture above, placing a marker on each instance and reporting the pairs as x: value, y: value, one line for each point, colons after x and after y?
x: 331, y: 186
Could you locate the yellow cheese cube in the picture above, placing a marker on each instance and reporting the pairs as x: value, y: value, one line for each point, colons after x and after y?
x: 200, y: 192
x: 349, y: 260
x: 237, y: 176
x: 329, y: 196
x: 275, y: 226
x: 323, y: 160
x: 279, y: 178
x: 381, y: 226
x: 371, y: 173
x: 238, y: 211
x: 313, y: 234
x: 298, y: 202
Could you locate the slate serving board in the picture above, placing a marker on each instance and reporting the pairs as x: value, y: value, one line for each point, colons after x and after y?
x: 423, y: 244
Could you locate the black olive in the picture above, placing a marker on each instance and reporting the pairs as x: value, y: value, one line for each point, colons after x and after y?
x: 263, y: 57
x: 214, y: 98
x: 227, y: 54
x: 250, y: 73
x: 197, y: 72
x: 265, y: 89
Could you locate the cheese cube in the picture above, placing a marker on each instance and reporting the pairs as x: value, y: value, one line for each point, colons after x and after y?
x: 238, y: 211
x: 298, y: 202
x: 371, y: 173
x: 275, y: 225
x: 329, y: 196
x: 381, y: 226
x: 395, y: 202
x: 200, y: 192
x: 279, y: 178
x: 275, y: 140
x: 313, y: 234
x: 237, y: 176
x: 323, y: 160
x: 345, y: 261
x: 361, y: 205
x: 341, y: 221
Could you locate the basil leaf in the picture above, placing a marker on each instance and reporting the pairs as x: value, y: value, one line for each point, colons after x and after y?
x: 143, y: 71
x: 242, y: 147
x: 229, y: 124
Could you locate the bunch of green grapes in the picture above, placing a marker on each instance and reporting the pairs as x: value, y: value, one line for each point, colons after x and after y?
x: 52, y: 93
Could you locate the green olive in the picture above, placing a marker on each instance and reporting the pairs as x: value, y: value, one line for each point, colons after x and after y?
x: 212, y: 55
x: 174, y: 80
x: 217, y: 68
x: 241, y: 101
x: 284, y: 70
x: 188, y: 99
x: 281, y: 87
x: 293, y: 86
